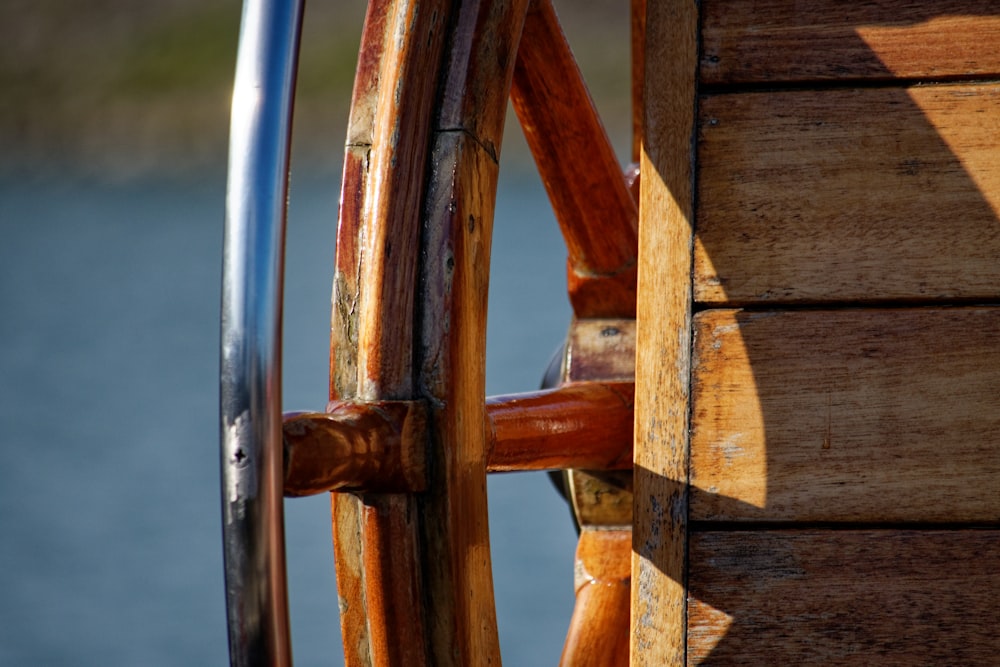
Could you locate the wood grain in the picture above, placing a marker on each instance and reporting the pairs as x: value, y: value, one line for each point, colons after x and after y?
x: 377, y: 539
x: 637, y: 35
x: 769, y: 41
x: 389, y: 229
x: 598, y: 632
x: 847, y: 415
x: 380, y: 446
x: 664, y: 335
x: 601, y: 350
x: 579, y: 168
x: 454, y: 282
x: 452, y: 339
x: 845, y: 597
x: 582, y: 425
x: 374, y: 446
x: 850, y: 194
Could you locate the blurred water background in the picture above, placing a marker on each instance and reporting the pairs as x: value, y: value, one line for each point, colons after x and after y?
x: 112, y: 143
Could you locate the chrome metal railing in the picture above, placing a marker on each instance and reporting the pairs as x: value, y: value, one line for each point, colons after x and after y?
x: 250, y: 377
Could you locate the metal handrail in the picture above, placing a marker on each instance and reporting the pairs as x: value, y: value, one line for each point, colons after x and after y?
x: 250, y: 372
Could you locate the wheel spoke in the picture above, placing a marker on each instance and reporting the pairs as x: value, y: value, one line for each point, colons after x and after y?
x: 577, y: 163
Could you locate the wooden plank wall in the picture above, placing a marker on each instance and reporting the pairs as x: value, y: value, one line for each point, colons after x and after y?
x: 860, y: 194
x: 861, y: 597
x: 845, y: 374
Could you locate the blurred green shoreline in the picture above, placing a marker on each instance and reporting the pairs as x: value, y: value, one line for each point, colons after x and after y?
x: 118, y: 89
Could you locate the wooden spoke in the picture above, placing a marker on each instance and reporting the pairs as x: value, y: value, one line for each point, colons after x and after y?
x: 597, y: 636
x: 379, y: 445
x: 577, y: 163
x: 371, y: 446
x: 584, y: 425
x: 638, y: 73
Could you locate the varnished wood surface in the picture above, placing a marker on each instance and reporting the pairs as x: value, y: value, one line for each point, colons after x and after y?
x: 846, y: 415
x: 380, y: 446
x: 389, y: 225
x: 849, y: 194
x: 770, y: 41
x: 346, y: 509
x: 452, y: 335
x: 664, y: 335
x: 456, y: 533
x: 637, y: 35
x: 844, y: 597
x: 579, y: 168
x: 376, y: 541
x: 375, y: 446
x: 584, y: 425
x: 598, y: 631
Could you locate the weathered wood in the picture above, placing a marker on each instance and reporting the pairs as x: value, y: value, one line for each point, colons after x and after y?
x: 844, y: 597
x: 579, y: 168
x: 846, y: 415
x: 601, y: 350
x: 851, y: 194
x: 456, y: 533
x: 376, y: 446
x: 584, y: 425
x: 377, y: 540
x: 389, y: 230
x: 769, y: 41
x: 664, y: 335
x: 598, y: 630
x: 454, y: 282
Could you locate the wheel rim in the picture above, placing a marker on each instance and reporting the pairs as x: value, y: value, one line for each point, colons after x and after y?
x: 412, y: 271
x: 409, y: 304
x: 250, y: 370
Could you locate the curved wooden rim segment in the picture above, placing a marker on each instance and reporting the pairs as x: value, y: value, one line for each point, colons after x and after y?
x: 408, y: 334
x: 376, y: 539
x: 409, y: 307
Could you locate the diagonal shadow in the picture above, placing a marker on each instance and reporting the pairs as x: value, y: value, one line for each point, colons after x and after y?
x: 895, y: 217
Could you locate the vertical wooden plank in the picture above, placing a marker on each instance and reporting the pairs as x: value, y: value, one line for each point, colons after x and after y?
x: 664, y: 335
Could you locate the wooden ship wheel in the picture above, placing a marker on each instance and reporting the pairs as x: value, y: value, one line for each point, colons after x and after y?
x: 779, y: 397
